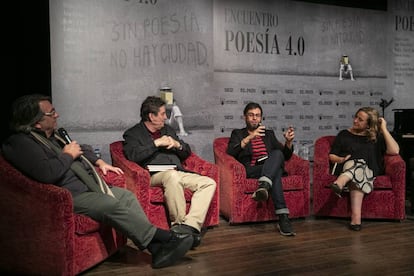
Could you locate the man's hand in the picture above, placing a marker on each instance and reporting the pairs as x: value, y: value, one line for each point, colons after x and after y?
x: 289, y: 134
x: 259, y: 131
x: 73, y: 149
x: 105, y: 167
x: 346, y: 158
x: 167, y: 141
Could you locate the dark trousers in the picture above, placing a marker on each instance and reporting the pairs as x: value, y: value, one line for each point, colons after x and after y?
x: 273, y: 169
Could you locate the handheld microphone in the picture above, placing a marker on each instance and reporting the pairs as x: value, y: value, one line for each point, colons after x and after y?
x: 64, y: 134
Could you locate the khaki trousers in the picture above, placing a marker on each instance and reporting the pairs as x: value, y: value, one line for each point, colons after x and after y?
x: 174, y: 182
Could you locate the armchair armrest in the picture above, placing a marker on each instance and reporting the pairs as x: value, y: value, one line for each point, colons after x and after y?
x: 113, y: 179
x: 321, y: 165
x: 136, y: 178
x: 232, y: 171
x: 300, y: 167
x: 37, y: 221
x: 395, y: 169
x: 297, y: 166
x: 197, y: 164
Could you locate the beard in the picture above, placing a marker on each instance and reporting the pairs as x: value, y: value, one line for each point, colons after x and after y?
x: 252, y: 126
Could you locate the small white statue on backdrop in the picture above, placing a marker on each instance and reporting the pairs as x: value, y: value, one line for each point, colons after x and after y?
x: 345, y: 68
x: 177, y: 116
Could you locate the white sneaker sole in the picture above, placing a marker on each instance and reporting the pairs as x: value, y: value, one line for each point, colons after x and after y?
x: 285, y: 234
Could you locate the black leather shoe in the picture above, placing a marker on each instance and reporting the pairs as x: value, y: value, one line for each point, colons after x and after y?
x: 187, y: 229
x: 355, y: 227
x: 284, y: 226
x: 262, y: 193
x: 336, y: 189
x: 172, y: 251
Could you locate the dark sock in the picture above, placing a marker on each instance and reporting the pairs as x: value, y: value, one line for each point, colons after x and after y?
x: 192, y: 229
x: 161, y: 235
x: 154, y: 246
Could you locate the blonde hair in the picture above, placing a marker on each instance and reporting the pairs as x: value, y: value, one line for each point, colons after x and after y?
x: 373, y: 122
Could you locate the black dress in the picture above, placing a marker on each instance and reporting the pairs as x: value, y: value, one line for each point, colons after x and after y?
x: 359, y: 147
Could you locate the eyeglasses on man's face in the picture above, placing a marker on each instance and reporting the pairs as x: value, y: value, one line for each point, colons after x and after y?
x: 51, y: 113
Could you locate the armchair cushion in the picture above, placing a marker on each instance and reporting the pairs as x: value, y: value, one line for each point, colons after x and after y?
x: 152, y: 198
x: 236, y: 190
x: 386, y: 201
x: 85, y: 225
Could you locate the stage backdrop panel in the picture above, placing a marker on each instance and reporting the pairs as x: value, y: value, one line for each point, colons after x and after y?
x: 107, y: 56
x: 285, y: 55
x: 291, y: 37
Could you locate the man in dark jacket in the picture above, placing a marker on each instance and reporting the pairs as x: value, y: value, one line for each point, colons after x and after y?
x: 263, y: 157
x: 152, y: 142
x: 37, y: 150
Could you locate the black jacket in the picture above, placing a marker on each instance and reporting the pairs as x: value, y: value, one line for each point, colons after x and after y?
x: 43, y: 164
x: 244, y: 156
x: 140, y: 148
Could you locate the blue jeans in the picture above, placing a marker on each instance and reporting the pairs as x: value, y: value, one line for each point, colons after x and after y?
x: 271, y: 172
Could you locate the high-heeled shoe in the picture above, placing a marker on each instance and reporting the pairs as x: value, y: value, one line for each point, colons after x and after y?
x: 355, y: 227
x: 336, y: 189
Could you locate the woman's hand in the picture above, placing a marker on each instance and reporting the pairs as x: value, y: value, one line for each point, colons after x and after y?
x: 382, y: 124
x: 344, y: 159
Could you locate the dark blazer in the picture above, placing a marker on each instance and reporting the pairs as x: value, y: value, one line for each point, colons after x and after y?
x: 43, y: 164
x: 244, y: 155
x: 140, y: 148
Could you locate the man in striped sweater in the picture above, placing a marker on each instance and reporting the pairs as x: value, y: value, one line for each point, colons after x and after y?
x: 263, y: 156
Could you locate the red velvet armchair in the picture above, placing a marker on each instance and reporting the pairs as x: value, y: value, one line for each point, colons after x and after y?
x: 386, y: 201
x: 152, y: 198
x: 40, y: 234
x: 236, y: 190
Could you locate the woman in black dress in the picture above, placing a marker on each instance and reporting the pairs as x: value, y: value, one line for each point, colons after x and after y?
x: 357, y: 156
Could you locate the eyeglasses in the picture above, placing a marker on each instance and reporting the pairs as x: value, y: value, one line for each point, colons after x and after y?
x: 251, y: 115
x: 51, y: 113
